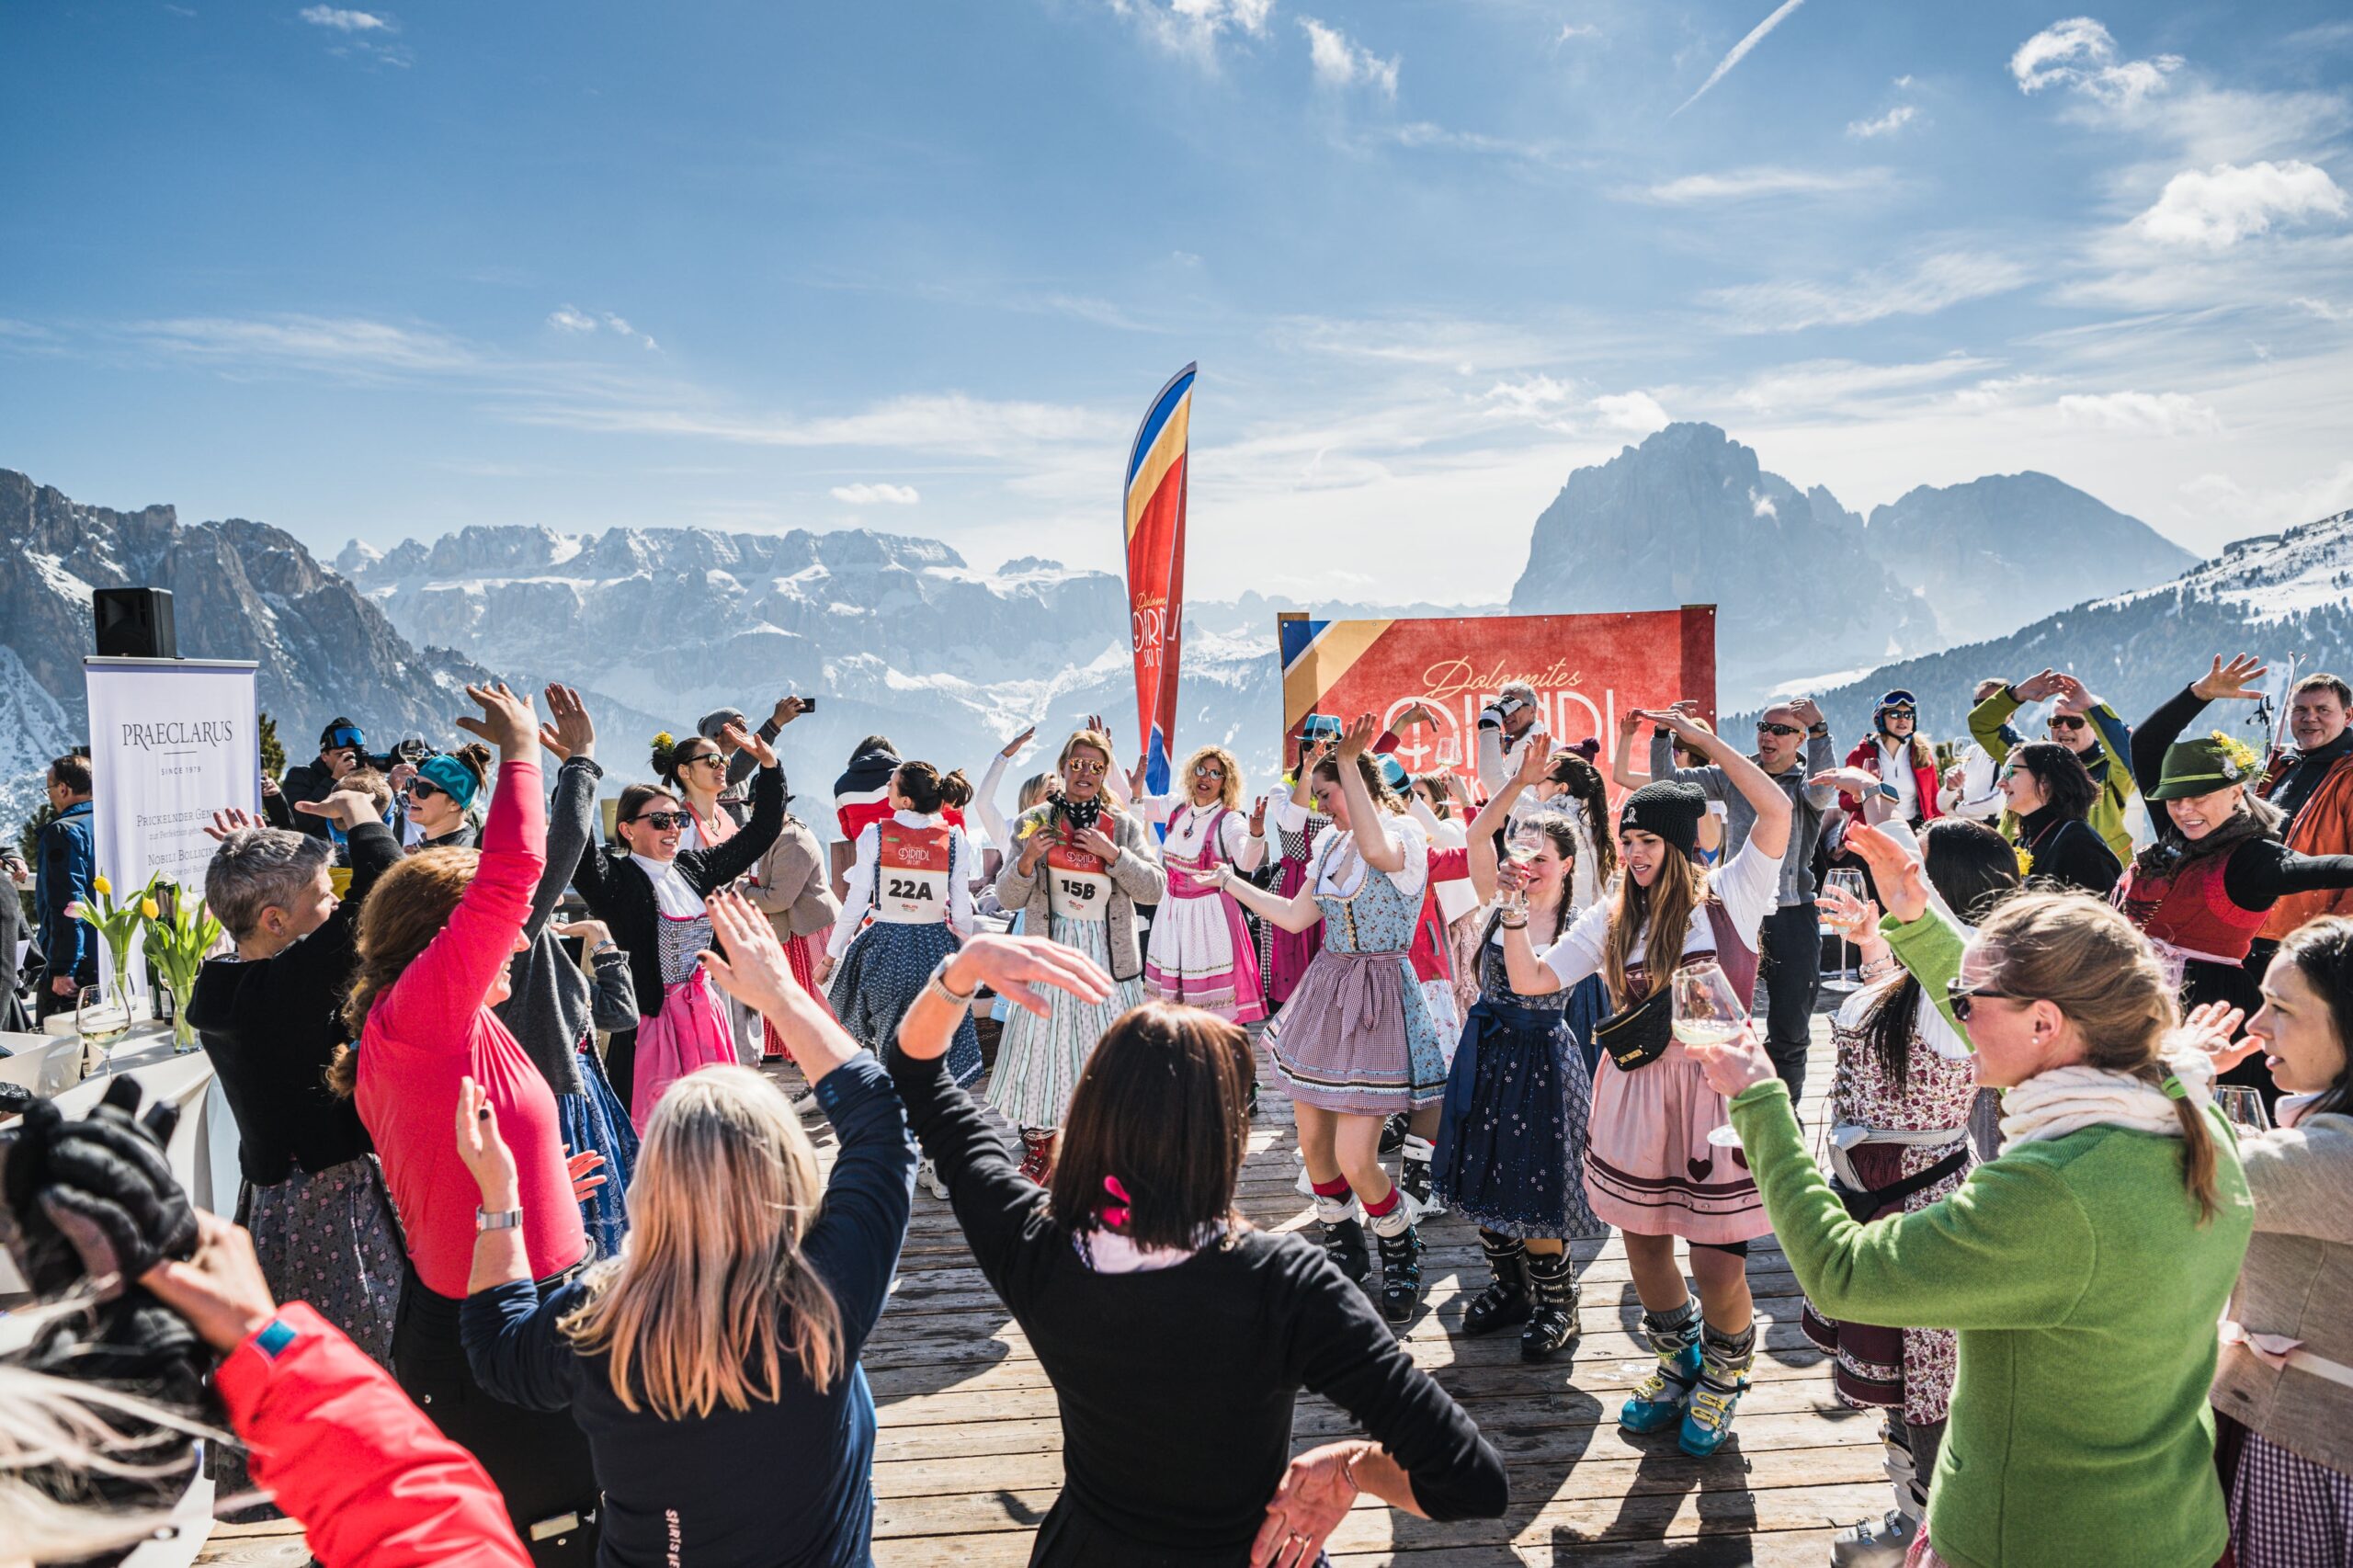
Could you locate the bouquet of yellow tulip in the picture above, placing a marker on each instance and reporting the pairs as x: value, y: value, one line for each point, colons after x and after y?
x: 117, y: 925
x: 177, y: 942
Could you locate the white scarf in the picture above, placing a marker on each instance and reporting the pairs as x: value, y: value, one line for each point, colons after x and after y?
x: 673, y: 894
x: 2068, y: 1099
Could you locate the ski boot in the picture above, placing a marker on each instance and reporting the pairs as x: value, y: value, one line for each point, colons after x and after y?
x: 1505, y: 1301
x: 1723, y: 1377
x: 1657, y: 1403
x: 1552, y: 1322
x: 1401, y: 1275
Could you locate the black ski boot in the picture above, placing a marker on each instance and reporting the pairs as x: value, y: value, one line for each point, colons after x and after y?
x: 1505, y: 1301
x: 1400, y: 1275
x: 1554, y: 1321
x: 1344, y: 1244
x: 1392, y: 1133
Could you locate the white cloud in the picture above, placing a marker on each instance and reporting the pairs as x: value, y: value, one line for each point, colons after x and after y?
x: 564, y: 318
x: 1574, y: 30
x: 1928, y: 286
x: 344, y: 21
x: 2217, y: 209
x: 1835, y: 383
x: 2161, y: 413
x: 1194, y: 28
x: 2080, y: 54
x: 875, y: 494
x: 1339, y: 63
x: 1741, y: 185
x: 950, y: 422
x: 1636, y: 412
x: 1536, y: 394
x: 1761, y: 505
x: 1888, y: 124
x: 346, y: 345
x: 2256, y: 511
x: 1740, y: 52
x: 1998, y: 392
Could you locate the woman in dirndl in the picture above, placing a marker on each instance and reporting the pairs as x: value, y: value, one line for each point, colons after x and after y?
x: 1518, y: 1098
x: 1649, y: 1169
x: 1080, y: 867
x: 1200, y: 952
x: 650, y: 895
x: 912, y: 874
x: 1899, y: 1141
x: 1297, y: 824
x: 1355, y: 1043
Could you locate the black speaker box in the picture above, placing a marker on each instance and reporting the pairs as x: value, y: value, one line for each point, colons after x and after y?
x: 135, y: 623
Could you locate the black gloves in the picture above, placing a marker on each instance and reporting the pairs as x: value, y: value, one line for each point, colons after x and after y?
x: 93, y: 1197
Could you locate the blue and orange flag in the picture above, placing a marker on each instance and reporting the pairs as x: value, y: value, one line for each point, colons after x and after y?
x: 1155, y: 531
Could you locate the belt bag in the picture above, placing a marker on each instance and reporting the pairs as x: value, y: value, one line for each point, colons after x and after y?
x: 1638, y: 1036
x: 1861, y: 1205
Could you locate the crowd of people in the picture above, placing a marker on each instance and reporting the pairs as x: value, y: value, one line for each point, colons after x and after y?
x: 533, y: 1264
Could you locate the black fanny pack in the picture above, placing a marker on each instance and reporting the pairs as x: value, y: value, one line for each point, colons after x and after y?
x: 1638, y: 1036
x: 1861, y: 1205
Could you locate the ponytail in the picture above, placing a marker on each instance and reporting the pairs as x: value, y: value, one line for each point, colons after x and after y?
x: 927, y: 789
x: 956, y: 790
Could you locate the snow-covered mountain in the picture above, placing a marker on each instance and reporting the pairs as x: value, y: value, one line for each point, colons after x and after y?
x: 2281, y: 595
x: 1800, y: 584
x: 241, y: 590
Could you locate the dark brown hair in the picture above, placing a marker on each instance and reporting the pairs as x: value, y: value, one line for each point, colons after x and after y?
x: 406, y: 910
x: 1163, y: 1107
x: 2322, y: 949
x: 633, y: 800
x: 927, y: 789
x: 73, y: 772
x: 1585, y: 785
x: 2325, y: 683
x: 2066, y: 783
x: 1368, y: 769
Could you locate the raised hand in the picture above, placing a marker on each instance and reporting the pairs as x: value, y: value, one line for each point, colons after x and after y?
x: 1809, y: 713
x: 593, y: 934
x: 233, y: 819
x: 1844, y: 910
x: 754, y: 971
x: 1859, y: 783
x: 345, y: 808
x: 733, y: 734
x: 1357, y: 736
x: 787, y: 710
x: 2034, y: 688
x: 1896, y: 871
x: 1258, y: 819
x: 1012, y: 748
x: 586, y: 1169
x: 2233, y: 681
x: 2074, y: 696
x: 1017, y: 968
x: 1533, y: 758
x: 1734, y: 1065
x: 2208, y: 1027
x: 483, y: 1148
x: 506, y: 722
x: 568, y: 733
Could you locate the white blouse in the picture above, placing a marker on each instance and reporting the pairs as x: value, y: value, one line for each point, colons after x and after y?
x: 1188, y: 824
x: 859, y: 894
x: 1749, y: 885
x: 673, y: 894
x: 1342, y: 874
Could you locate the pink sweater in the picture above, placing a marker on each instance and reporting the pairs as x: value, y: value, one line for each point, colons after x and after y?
x: 430, y: 1028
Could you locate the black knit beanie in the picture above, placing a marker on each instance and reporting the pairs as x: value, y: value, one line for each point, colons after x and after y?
x: 1670, y: 810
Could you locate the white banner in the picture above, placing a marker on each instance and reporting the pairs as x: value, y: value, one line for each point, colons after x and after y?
x: 172, y: 741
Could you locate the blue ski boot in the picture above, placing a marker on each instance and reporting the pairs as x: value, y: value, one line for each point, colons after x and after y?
x: 1657, y: 1404
x: 1723, y: 1377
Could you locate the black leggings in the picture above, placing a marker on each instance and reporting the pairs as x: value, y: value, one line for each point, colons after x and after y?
x: 539, y: 1459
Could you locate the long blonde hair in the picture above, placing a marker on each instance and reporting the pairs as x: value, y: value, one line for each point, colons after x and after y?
x: 1229, y: 791
x: 712, y: 1293
x: 2088, y: 961
x: 1666, y: 907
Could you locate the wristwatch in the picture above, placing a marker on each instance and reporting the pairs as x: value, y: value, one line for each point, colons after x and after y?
x: 1888, y: 792
x: 505, y: 1220
x: 939, y: 981
x: 1820, y: 727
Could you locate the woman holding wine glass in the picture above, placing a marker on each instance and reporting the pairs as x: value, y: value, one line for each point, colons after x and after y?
x: 1511, y: 1138
x: 1649, y: 1169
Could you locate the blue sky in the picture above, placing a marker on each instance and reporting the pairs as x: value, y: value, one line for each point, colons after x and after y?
x: 391, y: 271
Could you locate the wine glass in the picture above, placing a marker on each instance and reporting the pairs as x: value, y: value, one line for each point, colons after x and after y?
x: 99, y: 1021
x: 1849, y: 882
x: 1707, y: 1012
x: 2243, y: 1107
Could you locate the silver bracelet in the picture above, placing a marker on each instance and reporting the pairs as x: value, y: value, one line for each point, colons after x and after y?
x: 939, y: 983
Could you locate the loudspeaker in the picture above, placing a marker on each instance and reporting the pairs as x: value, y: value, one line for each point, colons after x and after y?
x: 135, y: 623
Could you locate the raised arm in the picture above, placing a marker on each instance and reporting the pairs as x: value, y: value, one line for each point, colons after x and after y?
x: 1621, y: 753
x: 571, y: 818
x: 1480, y: 842
x: 1380, y: 852
x: 1294, y: 913
x: 1771, y: 834
x: 710, y: 869
x: 860, y: 897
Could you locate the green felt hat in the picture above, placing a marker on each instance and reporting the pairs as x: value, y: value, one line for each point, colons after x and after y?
x: 2202, y: 765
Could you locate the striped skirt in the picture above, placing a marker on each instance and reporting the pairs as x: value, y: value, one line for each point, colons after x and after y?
x: 1039, y: 1060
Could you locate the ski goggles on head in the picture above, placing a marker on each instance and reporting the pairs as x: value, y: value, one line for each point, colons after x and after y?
x: 1899, y: 698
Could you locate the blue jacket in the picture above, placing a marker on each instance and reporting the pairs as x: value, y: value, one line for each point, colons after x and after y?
x: 68, y: 862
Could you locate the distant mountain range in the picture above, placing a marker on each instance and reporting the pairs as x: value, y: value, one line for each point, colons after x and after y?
x: 901, y: 636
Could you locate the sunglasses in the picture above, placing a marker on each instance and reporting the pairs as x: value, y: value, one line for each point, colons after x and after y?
x: 1766, y: 728
x: 1962, y: 999
x: 662, y: 820
x: 701, y: 758
x: 1084, y: 769
x: 2068, y: 721
x: 1902, y: 710
x: 423, y: 789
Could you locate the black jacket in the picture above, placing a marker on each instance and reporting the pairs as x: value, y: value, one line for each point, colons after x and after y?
x: 620, y: 894
x: 271, y: 1027
x: 308, y: 781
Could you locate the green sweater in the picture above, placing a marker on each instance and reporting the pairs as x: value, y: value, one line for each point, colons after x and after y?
x: 2110, y: 766
x: 2085, y: 1293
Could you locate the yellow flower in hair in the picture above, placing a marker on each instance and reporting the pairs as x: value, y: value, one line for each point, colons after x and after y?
x: 2025, y: 862
x: 664, y: 740
x: 2242, y: 754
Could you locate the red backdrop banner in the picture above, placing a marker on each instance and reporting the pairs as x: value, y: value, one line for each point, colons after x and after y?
x: 1587, y: 669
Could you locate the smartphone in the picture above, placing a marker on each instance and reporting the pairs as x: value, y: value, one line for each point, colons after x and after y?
x: 808, y: 705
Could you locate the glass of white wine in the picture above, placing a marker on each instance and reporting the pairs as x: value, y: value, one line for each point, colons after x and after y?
x: 1849, y: 882
x: 2243, y: 1107
x: 1708, y: 1012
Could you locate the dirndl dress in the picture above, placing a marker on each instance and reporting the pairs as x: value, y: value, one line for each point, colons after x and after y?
x: 1511, y: 1137
x: 1039, y: 1060
x: 801, y: 954
x: 1289, y: 952
x: 1909, y: 1369
x: 1356, y: 1037
x: 1649, y: 1167
x: 690, y: 1031
x: 885, y: 966
x: 1202, y: 954
x: 594, y: 1120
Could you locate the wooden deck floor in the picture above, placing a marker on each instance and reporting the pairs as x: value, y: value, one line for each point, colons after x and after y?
x: 968, y: 1458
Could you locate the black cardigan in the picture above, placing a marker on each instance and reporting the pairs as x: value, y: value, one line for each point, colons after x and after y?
x: 620, y: 894
x: 271, y: 1026
x: 1176, y: 1385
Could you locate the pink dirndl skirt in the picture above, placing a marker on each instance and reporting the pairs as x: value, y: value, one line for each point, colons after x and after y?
x: 1289, y: 952
x: 801, y: 953
x: 1200, y: 955
x: 689, y: 1035
x: 1648, y: 1168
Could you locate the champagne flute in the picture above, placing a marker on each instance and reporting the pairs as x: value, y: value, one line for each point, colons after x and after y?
x: 99, y: 1021
x: 1849, y: 882
x: 1707, y: 1012
x: 2243, y: 1107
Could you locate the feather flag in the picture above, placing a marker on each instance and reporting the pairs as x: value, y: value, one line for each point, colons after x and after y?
x: 1155, y: 535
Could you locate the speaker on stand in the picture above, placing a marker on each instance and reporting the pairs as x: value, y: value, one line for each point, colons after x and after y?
x: 135, y: 623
